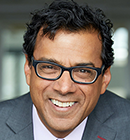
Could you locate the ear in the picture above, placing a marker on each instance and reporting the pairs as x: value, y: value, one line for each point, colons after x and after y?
x: 106, y: 80
x: 27, y: 70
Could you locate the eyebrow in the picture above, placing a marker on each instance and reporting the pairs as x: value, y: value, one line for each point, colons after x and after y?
x: 49, y: 60
x: 85, y: 64
x: 58, y: 62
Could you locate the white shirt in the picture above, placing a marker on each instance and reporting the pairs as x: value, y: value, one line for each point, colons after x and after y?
x: 41, y: 132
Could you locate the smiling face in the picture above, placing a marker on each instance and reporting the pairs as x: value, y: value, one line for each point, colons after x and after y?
x: 63, y: 104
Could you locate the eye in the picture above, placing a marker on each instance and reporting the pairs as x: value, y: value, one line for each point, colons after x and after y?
x: 43, y: 66
x: 47, y: 67
x: 84, y: 71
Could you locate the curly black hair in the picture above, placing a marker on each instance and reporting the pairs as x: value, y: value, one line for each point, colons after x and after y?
x: 69, y: 16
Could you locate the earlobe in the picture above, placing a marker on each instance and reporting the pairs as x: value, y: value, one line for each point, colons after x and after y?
x: 27, y: 70
x: 106, y: 80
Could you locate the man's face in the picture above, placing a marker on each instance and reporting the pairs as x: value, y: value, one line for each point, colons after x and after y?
x: 67, y: 49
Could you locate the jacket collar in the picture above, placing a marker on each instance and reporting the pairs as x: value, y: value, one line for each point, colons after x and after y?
x: 20, y: 120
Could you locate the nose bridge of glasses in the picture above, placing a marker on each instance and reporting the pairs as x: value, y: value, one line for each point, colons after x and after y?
x: 69, y: 69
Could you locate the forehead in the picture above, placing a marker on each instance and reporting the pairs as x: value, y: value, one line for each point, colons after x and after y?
x: 70, y: 48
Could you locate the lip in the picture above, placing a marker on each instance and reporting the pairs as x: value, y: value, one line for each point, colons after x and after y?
x: 62, y: 104
x: 69, y: 105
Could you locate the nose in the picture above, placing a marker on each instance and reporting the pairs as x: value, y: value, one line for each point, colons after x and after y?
x: 64, y: 84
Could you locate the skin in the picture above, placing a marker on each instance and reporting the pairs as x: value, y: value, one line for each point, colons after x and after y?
x: 67, y: 49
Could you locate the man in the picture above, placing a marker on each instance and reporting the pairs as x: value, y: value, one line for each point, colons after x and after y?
x: 68, y: 50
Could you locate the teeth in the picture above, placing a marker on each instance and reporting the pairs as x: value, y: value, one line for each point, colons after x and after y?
x: 60, y: 104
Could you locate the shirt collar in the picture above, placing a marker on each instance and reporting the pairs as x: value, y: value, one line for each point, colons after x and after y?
x: 40, y: 131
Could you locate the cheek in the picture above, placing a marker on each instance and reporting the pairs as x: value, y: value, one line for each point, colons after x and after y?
x: 90, y: 91
x: 37, y: 88
x: 36, y: 83
x: 91, y: 95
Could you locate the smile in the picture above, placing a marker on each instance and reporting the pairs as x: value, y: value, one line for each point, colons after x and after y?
x: 62, y: 104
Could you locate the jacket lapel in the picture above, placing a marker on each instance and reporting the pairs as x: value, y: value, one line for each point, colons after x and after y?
x: 96, y: 128
x: 20, y: 121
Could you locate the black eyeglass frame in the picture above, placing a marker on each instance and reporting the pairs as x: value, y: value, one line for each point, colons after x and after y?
x: 69, y: 69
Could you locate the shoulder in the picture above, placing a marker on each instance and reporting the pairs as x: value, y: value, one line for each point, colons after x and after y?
x: 110, y: 102
x: 116, y: 102
x: 14, y: 101
x: 6, y: 107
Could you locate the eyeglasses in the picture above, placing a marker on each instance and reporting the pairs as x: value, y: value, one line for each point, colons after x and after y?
x: 53, y: 71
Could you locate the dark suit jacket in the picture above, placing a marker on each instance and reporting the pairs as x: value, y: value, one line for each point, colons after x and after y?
x: 110, y: 120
